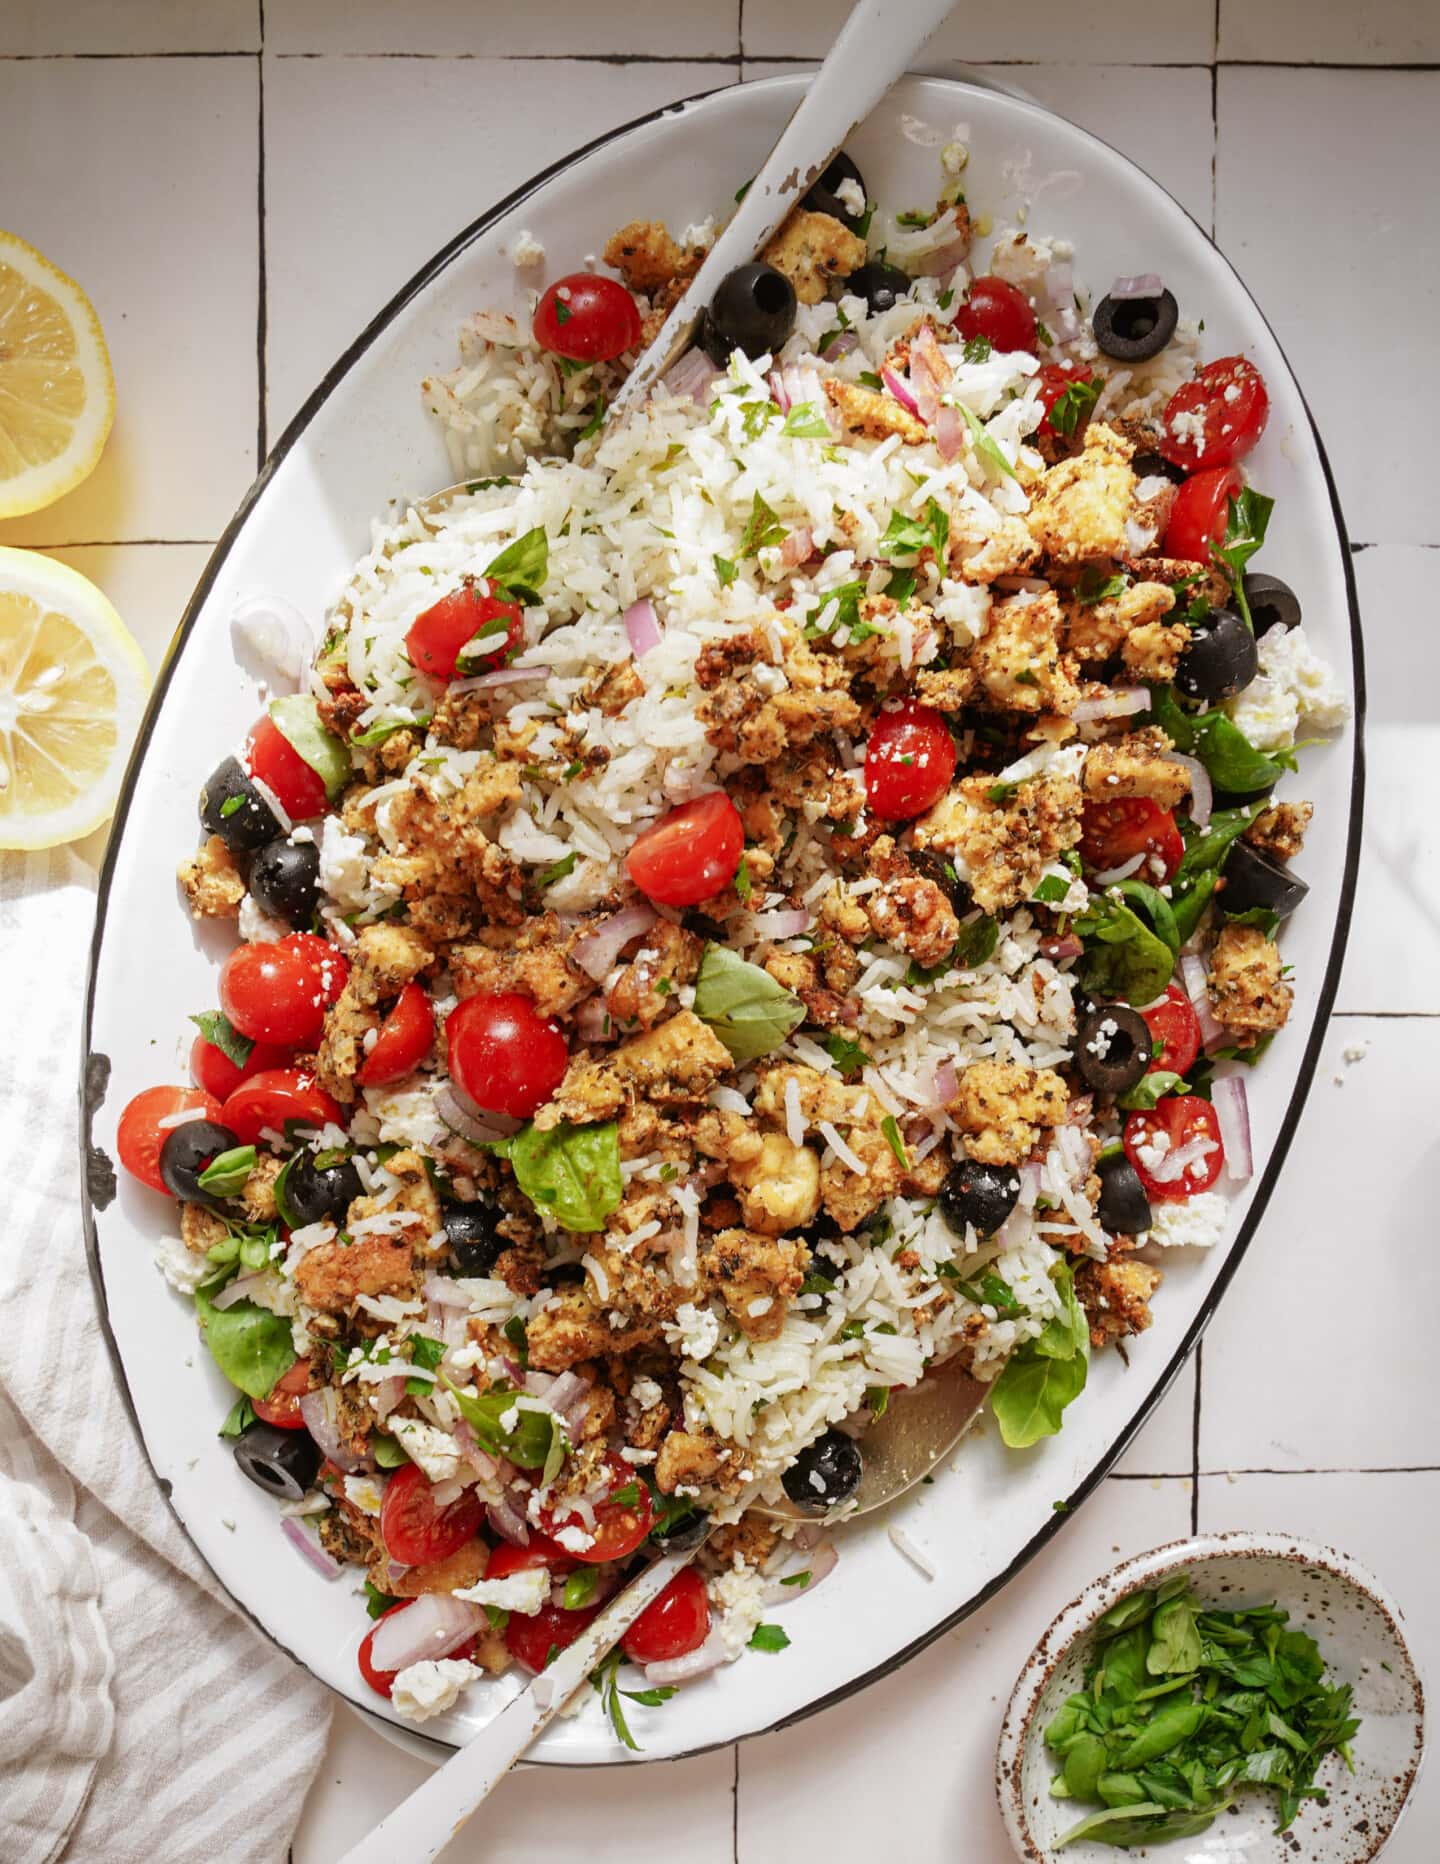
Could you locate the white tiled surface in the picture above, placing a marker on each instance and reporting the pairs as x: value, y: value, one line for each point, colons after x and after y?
x: 141, y: 174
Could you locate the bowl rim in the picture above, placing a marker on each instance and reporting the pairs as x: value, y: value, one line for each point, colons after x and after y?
x: 1077, y: 1620
x: 97, y: 1171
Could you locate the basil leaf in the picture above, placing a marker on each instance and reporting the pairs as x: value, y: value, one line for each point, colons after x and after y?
x: 1123, y: 957
x: 238, y: 1418
x: 985, y: 447
x: 743, y: 882
x: 1074, y: 404
x: 1092, y: 587
x: 768, y: 1637
x: 537, y: 1440
x: 221, y: 1033
x: 296, y: 716
x: 521, y: 567
x: 844, y: 600
x: 559, y: 871
x: 806, y: 422
x: 1245, y: 528
x: 975, y: 945
x: 1120, y: 1825
x: 1149, y: 1089
x: 1176, y: 1648
x: 227, y: 1172
x: 1031, y: 1393
x: 377, y: 1603
x: 250, y: 1345
x: 573, y: 1172
x: 596, y: 421
x: 746, y: 1008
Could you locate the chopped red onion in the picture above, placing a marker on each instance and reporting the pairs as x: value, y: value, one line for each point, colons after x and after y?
x: 642, y: 627
x: 1119, y: 702
x: 429, y: 1627
x: 1057, y: 948
x: 508, y: 1522
x: 441, y: 1291
x: 454, y: 1328
x: 307, y: 1544
x: 693, y: 375
x: 929, y: 374
x: 566, y: 1394
x: 1029, y: 1187
x: 797, y: 547
x: 464, y: 1118
x: 1202, y: 791
x: 238, y: 1290
x: 899, y: 388
x: 479, y: 1460
x: 385, y: 1397
x: 272, y: 802
x: 320, y: 1411
x: 597, y: 952
x: 779, y: 392
x: 272, y: 641
x: 949, y: 432
x: 1141, y: 285
x: 946, y: 1083
x: 503, y: 676
x: 1195, y: 974
x: 1123, y: 872
x: 789, y: 922
x: 1232, y: 1110
x: 593, y: 1021
x: 709, y: 1656
x: 844, y: 345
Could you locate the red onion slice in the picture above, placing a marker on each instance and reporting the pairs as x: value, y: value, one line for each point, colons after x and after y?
x: 1122, y: 872
x: 642, y: 627
x: 949, y: 432
x: 462, y: 1116
x: 1141, y: 285
x: 385, y: 1397
x: 779, y: 393
x: 929, y: 374
x: 709, y: 1656
x: 899, y: 388
x: 430, y: 1627
x: 306, y: 1544
x: 238, y: 1290
x: 597, y: 952
x: 1057, y: 948
x: 788, y: 922
x: 502, y: 677
x: 820, y: 1564
x: 693, y: 375
x: 508, y: 1523
x: 1202, y: 791
x: 844, y: 345
x: 320, y: 1412
x: 1119, y: 702
x: 593, y: 1022
x: 946, y: 1083
x: 1232, y: 1109
x: 1195, y: 975
x: 797, y: 547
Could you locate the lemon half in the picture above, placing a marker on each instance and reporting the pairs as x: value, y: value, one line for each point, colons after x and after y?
x: 57, y: 395
x: 72, y: 691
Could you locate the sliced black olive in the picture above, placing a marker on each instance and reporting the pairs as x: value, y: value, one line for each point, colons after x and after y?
x: 881, y: 286
x: 285, y: 880
x: 825, y: 1473
x: 282, y: 1462
x: 1249, y: 880
x: 687, y: 1532
x: 933, y: 865
x: 1113, y: 1048
x: 232, y: 808
x: 1135, y: 329
x: 1273, y: 604
x: 753, y: 310
x: 1220, y: 660
x: 980, y: 1195
x: 824, y: 196
x: 1156, y: 466
x: 315, y: 1191
x: 1124, y: 1209
x: 187, y: 1150
x: 474, y: 1243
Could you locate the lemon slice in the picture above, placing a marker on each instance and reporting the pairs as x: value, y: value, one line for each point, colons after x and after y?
x: 57, y: 395
x: 72, y: 690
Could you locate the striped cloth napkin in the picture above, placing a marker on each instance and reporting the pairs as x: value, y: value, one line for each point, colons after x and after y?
x: 141, y: 1717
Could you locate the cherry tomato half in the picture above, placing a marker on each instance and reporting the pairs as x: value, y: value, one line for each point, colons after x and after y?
x: 508, y: 1559
x: 404, y: 1040
x: 1175, y: 1026
x: 274, y: 1096
x: 587, y: 318
x: 140, y: 1135
x: 437, y: 637
x: 620, y: 1526
x: 909, y: 761
x: 282, y: 1407
x: 1200, y: 513
x: 270, y: 756
x: 280, y: 992
x: 415, y: 1531
x: 691, y: 853
x: 1053, y: 380
x: 531, y: 1640
x: 1114, y: 833
x: 993, y: 308
x: 672, y: 1625
x: 220, y: 1076
x: 506, y: 1056
x: 383, y: 1681
x: 1227, y: 403
x: 1177, y: 1122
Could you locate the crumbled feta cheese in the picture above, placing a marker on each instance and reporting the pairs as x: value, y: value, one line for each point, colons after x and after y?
x: 699, y: 232
x: 646, y: 1393
x: 1191, y: 1223
x: 525, y: 249
x: 1293, y: 687
x: 851, y: 196
x: 183, y: 1268
x: 526, y: 1593
x: 258, y: 928
x: 364, y: 1493
x: 574, y: 1539
x: 342, y: 866
x: 437, y: 1453
x: 740, y: 1595
x: 431, y: 1686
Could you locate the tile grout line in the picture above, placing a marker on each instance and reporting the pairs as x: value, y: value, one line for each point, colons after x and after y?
x: 262, y: 333
x: 1421, y: 66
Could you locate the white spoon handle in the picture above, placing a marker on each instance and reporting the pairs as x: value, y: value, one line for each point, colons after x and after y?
x: 875, y: 47
x: 420, y: 1827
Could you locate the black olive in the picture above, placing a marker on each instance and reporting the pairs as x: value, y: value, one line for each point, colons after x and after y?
x: 1124, y: 1209
x: 687, y: 1532
x: 934, y: 866
x: 315, y: 1191
x: 824, y: 196
x: 473, y: 1241
x: 825, y: 1473
x: 1273, y: 604
x: 1220, y: 660
x: 980, y: 1195
x: 1251, y: 880
x: 285, y: 880
x: 187, y: 1150
x: 232, y: 808
x: 1156, y: 466
x: 1113, y: 1048
x: 282, y: 1462
x: 753, y: 310
x: 881, y: 286
x: 1135, y: 329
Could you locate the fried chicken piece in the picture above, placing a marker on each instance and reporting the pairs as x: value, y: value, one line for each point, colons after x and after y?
x: 1139, y: 764
x: 611, y: 689
x: 647, y: 990
x: 571, y: 1328
x: 386, y: 958
x: 681, y: 1060
x: 1001, y: 1107
x: 756, y: 1276
x: 1096, y: 631
x: 1079, y: 509
x: 1003, y: 846
x: 213, y: 885
x: 811, y: 249
x: 909, y: 911
x: 866, y: 413
x: 331, y: 1275
x: 686, y: 1460
x: 462, y: 1568
x: 1018, y: 658
x: 1116, y: 1296
x: 1247, y: 989
x: 257, y: 1195
x: 1279, y: 830
x: 747, y: 1542
x: 533, y: 958
x: 779, y: 1187
x: 647, y: 258
x: 201, y: 1229
x: 983, y: 549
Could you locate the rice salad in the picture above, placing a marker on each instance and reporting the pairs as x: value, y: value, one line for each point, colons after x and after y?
x: 746, y: 904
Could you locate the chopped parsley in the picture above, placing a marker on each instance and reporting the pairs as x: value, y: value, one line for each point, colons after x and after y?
x: 769, y: 1637
x: 762, y: 529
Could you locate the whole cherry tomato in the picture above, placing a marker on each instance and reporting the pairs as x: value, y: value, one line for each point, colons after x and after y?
x: 506, y: 1056
x: 691, y: 853
x: 672, y: 1625
x: 140, y: 1135
x: 279, y: 992
x: 220, y: 1076
x: 995, y: 309
x: 587, y: 318
x: 909, y: 761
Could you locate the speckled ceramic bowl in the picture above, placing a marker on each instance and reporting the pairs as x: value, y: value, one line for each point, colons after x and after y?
x: 1358, y: 1629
